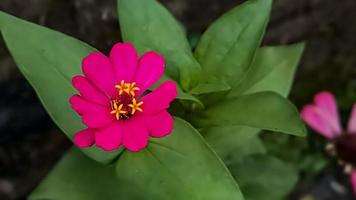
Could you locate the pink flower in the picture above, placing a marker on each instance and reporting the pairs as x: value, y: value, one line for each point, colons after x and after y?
x: 114, y: 102
x: 323, y: 117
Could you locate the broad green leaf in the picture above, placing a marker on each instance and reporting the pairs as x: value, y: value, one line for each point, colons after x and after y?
x: 264, y: 177
x: 227, y: 48
x: 49, y: 59
x: 232, y: 143
x: 77, y: 177
x: 263, y: 110
x: 149, y: 26
x: 272, y: 69
x: 211, y: 92
x: 180, y: 166
x: 211, y: 87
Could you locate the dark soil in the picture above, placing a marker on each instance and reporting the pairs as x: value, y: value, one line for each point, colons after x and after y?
x: 30, y: 144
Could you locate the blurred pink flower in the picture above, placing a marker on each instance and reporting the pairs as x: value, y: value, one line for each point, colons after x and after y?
x: 323, y: 117
x: 112, y: 103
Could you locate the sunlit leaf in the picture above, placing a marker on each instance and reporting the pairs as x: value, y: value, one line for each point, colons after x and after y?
x: 178, y: 167
x: 272, y: 69
x: 227, y: 48
x: 150, y: 26
x: 181, y: 166
x: 263, y: 110
x: 76, y: 177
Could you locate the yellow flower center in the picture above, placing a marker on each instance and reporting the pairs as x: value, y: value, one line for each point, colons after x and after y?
x: 125, y: 104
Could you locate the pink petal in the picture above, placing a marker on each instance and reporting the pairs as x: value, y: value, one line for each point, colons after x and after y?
x: 351, y: 127
x: 89, y: 92
x: 326, y: 102
x: 159, y: 125
x: 316, y: 121
x: 97, y: 68
x: 93, y: 115
x: 353, y: 181
x: 159, y: 99
x: 84, y: 138
x: 135, y: 136
x: 124, y: 58
x: 150, y: 69
x: 110, y: 138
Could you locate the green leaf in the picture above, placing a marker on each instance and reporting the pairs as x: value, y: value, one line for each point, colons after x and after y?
x: 180, y: 166
x: 264, y: 177
x: 227, y: 48
x: 49, y: 67
x: 149, y: 26
x: 232, y: 143
x: 77, y: 177
x: 211, y: 92
x: 263, y: 110
x: 310, y: 164
x: 211, y: 87
x: 272, y: 69
x: 181, y: 94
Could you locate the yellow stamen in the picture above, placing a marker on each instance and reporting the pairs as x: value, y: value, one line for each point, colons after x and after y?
x: 128, y: 88
x: 121, y: 87
x: 131, y: 88
x: 135, y: 106
x: 117, y: 109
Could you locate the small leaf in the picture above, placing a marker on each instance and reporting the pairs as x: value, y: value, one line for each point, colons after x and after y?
x: 77, y: 177
x: 149, y: 26
x: 233, y: 143
x: 49, y: 67
x: 263, y: 110
x: 180, y: 166
x: 264, y: 177
x: 227, y: 48
x: 272, y: 69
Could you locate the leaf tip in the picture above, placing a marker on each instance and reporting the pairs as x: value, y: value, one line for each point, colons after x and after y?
x: 303, y: 130
x: 300, y: 46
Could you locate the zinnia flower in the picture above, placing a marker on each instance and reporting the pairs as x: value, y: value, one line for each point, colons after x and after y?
x: 114, y: 101
x: 323, y: 117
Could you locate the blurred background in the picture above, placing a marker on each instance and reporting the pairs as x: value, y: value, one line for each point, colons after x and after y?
x: 30, y: 144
